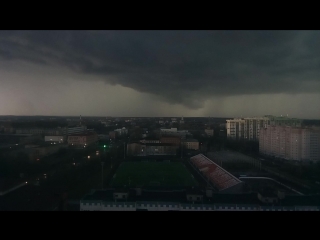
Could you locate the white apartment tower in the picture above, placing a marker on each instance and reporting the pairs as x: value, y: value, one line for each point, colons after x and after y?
x: 246, y: 128
x: 252, y: 125
x: 235, y: 128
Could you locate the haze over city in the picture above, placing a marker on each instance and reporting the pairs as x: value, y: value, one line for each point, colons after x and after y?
x: 160, y: 73
x: 159, y: 120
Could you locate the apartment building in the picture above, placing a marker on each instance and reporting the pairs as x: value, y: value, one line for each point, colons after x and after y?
x: 249, y: 128
x: 291, y: 143
x: 235, y: 128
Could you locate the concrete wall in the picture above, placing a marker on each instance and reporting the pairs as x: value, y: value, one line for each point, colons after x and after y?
x: 158, y: 206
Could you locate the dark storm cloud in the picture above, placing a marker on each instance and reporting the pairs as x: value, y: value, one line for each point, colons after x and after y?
x: 184, y: 67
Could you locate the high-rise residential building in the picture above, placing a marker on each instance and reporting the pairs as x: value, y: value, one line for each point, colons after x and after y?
x: 284, y: 121
x: 181, y: 121
x: 291, y: 143
x: 252, y: 127
x: 249, y: 128
x: 235, y: 128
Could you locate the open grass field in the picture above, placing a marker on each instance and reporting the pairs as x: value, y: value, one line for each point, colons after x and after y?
x: 171, y: 174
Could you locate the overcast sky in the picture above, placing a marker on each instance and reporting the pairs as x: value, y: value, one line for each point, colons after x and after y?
x: 160, y: 73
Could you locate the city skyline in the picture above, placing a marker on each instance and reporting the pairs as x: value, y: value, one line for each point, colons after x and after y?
x: 160, y: 73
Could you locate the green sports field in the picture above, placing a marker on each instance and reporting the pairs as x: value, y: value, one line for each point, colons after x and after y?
x: 173, y: 174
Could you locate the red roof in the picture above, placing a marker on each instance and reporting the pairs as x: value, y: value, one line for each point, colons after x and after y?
x: 218, y: 176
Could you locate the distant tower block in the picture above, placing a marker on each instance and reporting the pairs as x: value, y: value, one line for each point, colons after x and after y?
x: 182, y: 121
x: 80, y: 120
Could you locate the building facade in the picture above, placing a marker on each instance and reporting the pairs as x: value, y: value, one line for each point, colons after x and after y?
x: 41, y: 131
x: 235, y: 129
x: 174, y: 140
x: 174, y: 132
x: 112, y: 135
x: 252, y: 127
x: 151, y: 149
x: 284, y: 121
x: 192, y: 144
x: 150, y: 141
x: 134, y: 149
x: 209, y: 132
x: 82, y: 140
x: 249, y: 128
x: 76, y: 130
x: 55, y: 139
x: 121, y: 131
x: 291, y: 143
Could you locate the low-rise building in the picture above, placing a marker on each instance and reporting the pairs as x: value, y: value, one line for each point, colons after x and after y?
x: 175, y: 140
x: 76, y: 130
x: 103, y: 137
x: 192, y: 144
x: 82, y: 140
x: 6, y: 127
x: 159, y: 149
x: 150, y: 140
x: 41, y: 131
x: 151, y: 149
x: 209, y: 132
x: 55, y: 139
x: 174, y: 132
x: 134, y: 149
x: 113, y: 135
x: 36, y: 152
x: 121, y: 131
